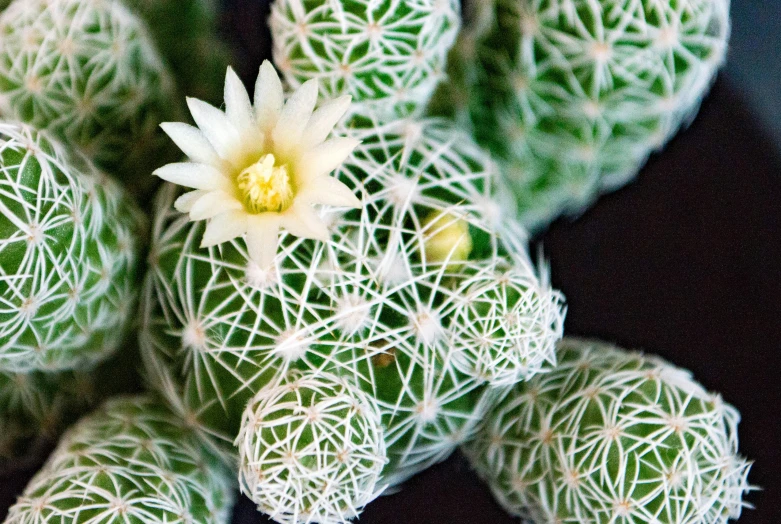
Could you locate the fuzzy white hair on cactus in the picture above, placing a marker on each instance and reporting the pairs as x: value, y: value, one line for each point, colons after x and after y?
x: 256, y: 170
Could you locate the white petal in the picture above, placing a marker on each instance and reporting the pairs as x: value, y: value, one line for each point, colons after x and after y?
x: 295, y: 115
x: 190, y: 174
x: 323, y: 121
x: 329, y: 191
x: 192, y: 142
x: 263, y: 238
x: 224, y: 227
x: 326, y: 157
x: 212, y: 204
x: 185, y: 202
x: 215, y: 126
x: 237, y: 103
x: 302, y: 221
x: 268, y: 97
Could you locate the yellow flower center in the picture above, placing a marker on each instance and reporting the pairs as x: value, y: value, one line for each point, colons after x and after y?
x: 447, y: 238
x: 264, y: 186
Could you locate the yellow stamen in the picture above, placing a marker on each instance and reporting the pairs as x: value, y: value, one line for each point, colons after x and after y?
x: 265, y: 186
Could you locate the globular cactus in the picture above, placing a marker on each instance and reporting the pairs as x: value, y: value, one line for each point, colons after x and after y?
x: 572, y: 97
x: 69, y: 243
x: 388, y: 55
x: 186, y: 35
x: 87, y: 71
x: 372, y: 301
x: 311, y: 449
x: 130, y: 461
x: 612, y: 436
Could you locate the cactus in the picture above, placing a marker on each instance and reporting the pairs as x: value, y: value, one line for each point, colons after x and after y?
x: 612, y: 436
x: 87, y: 72
x: 388, y: 55
x: 130, y: 461
x: 572, y: 97
x: 311, y: 449
x: 371, y: 303
x: 69, y: 242
x: 186, y: 35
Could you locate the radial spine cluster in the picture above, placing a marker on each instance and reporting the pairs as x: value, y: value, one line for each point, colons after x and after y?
x: 612, y: 436
x: 572, y: 96
x: 311, y: 449
x: 87, y: 71
x: 130, y: 461
x: 388, y: 54
x: 69, y: 246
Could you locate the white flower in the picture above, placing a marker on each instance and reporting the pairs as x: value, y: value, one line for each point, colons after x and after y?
x: 258, y: 169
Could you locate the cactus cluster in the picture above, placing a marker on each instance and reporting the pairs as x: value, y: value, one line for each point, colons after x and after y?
x: 572, y: 97
x: 612, y: 436
x: 130, y: 461
x: 87, y: 72
x: 344, y: 294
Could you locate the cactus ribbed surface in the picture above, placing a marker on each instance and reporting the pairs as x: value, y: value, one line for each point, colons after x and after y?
x: 572, y: 96
x: 612, y: 436
x: 367, y: 304
x: 388, y: 55
x: 69, y: 243
x: 87, y: 72
x: 130, y: 461
x: 311, y: 449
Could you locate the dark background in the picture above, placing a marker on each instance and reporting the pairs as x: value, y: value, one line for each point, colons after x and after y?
x: 685, y: 262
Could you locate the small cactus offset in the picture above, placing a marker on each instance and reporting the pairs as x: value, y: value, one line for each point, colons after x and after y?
x: 612, y: 436
x: 388, y: 55
x: 69, y: 243
x: 87, y: 72
x: 311, y: 449
x: 130, y: 461
x: 572, y: 97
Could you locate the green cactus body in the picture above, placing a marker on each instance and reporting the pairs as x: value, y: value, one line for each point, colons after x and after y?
x: 612, y: 436
x: 69, y: 242
x: 573, y: 96
x: 311, y: 449
x: 87, y: 72
x: 130, y: 461
x: 186, y: 36
x: 388, y: 55
x: 366, y: 305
